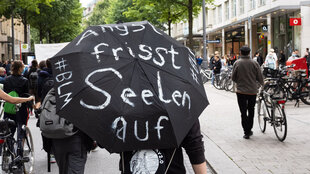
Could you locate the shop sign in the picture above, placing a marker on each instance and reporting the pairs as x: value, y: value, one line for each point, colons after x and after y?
x: 24, y: 48
x: 265, y: 28
x: 213, y: 41
x: 295, y: 21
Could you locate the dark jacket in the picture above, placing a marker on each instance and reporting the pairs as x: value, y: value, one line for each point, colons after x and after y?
x: 211, y: 63
x: 19, y: 84
x: 16, y: 83
x: 247, y: 74
x: 30, y: 71
x: 43, y: 74
x: 218, y: 66
x: 192, y: 144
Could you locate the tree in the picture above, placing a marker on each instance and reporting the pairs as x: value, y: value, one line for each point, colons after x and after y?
x: 167, y: 12
x: 99, y: 14
x: 115, y: 12
x: 60, y: 22
x: 193, y: 8
x: 158, y: 12
x: 21, y: 9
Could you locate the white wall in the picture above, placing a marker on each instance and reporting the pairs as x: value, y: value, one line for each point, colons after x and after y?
x: 305, y: 30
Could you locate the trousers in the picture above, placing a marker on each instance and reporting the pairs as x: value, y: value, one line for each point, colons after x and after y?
x: 247, y: 106
x: 70, y: 154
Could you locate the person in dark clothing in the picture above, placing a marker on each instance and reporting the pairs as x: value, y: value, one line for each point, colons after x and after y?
x: 71, y: 152
x: 16, y: 82
x: 8, y: 68
x: 157, y: 160
x: 43, y: 74
x: 30, y: 75
x: 246, y: 73
x: 232, y: 60
x: 307, y: 56
x: 217, y: 65
x: 282, y: 58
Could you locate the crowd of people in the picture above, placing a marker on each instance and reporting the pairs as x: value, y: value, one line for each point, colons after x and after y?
x: 272, y: 60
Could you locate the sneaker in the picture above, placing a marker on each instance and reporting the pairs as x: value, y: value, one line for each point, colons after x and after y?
x: 246, y: 136
x: 52, y: 159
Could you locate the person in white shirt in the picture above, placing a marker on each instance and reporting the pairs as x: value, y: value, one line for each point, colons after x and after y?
x: 271, y: 60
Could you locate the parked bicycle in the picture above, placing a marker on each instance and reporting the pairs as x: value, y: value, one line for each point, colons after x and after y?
x: 290, y: 88
x: 206, y: 75
x: 271, y: 109
x: 17, y: 155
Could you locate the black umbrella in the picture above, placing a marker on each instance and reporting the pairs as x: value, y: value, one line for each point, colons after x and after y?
x: 129, y: 86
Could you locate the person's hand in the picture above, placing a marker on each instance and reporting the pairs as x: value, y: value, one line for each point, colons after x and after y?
x: 37, y: 105
x: 31, y: 98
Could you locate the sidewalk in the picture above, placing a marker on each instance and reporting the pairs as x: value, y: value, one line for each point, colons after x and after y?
x: 228, y: 152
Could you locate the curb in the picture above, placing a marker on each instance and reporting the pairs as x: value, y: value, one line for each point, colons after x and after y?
x: 217, y: 160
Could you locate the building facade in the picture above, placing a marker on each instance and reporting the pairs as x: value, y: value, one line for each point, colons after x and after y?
x: 6, y: 38
x: 261, y: 24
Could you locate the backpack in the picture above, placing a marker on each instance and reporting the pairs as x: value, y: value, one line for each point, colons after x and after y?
x: 9, y: 107
x: 51, y: 125
x: 48, y: 84
x: 33, y: 79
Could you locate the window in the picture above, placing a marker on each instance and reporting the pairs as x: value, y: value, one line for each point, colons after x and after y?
x: 241, y: 6
x: 220, y: 14
x: 262, y: 2
x: 234, y: 8
x: 226, y: 10
x: 252, y: 4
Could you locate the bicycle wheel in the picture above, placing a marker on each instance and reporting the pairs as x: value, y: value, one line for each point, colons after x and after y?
x: 229, y: 85
x: 280, y: 124
x: 28, y: 152
x: 305, y: 96
x: 7, y: 156
x: 261, y: 112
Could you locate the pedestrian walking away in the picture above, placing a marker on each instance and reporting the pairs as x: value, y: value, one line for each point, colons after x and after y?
x: 247, y: 74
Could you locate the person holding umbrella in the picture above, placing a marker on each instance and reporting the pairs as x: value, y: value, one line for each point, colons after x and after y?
x: 246, y: 73
x: 130, y: 92
x: 167, y: 160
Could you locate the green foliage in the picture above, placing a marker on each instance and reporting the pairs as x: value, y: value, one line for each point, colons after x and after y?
x: 60, y: 22
x: 116, y: 10
x: 110, y: 12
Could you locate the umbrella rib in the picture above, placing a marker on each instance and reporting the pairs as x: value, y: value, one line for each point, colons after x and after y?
x: 182, y: 79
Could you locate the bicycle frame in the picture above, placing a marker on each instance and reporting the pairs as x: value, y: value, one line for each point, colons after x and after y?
x: 13, y: 150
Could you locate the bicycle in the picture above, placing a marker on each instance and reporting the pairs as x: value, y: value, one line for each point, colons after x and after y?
x: 290, y: 88
x: 17, y: 155
x: 272, y: 110
x: 206, y: 75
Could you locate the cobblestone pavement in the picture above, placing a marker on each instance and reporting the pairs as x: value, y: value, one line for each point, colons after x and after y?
x: 262, y: 153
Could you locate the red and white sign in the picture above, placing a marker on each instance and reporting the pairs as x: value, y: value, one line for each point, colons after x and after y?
x: 295, y: 21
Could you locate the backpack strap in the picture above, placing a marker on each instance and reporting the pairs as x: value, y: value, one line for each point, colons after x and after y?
x: 170, y: 161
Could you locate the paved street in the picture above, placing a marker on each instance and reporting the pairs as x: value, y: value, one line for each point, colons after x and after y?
x: 228, y: 152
